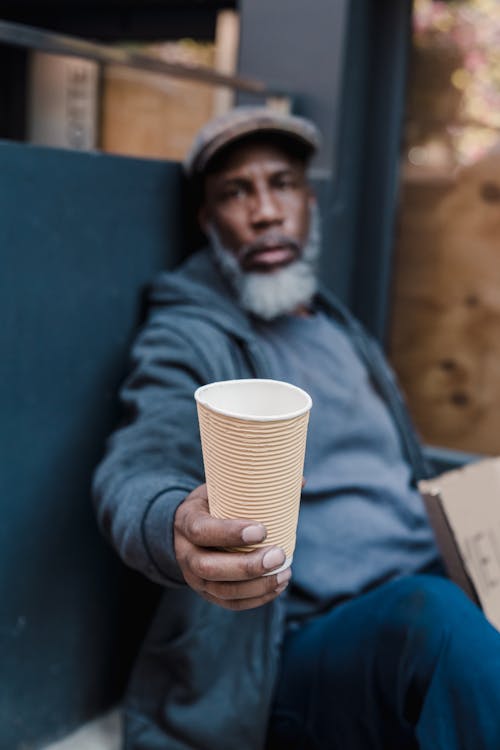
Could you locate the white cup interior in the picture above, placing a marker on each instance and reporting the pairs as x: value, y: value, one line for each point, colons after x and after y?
x: 255, y: 399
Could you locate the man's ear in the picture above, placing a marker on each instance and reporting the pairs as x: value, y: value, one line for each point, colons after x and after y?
x: 312, y: 200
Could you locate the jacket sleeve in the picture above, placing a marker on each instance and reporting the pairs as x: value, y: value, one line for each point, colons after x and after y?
x: 154, y: 460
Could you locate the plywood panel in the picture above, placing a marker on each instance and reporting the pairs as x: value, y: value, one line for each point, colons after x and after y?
x: 445, y: 328
x: 151, y: 115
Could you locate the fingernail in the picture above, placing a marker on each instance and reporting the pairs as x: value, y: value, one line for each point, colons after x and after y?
x: 252, y: 534
x: 273, y: 558
x: 280, y: 589
x: 285, y: 575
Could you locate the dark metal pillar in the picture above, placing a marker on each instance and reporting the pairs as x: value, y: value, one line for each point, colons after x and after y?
x: 346, y: 59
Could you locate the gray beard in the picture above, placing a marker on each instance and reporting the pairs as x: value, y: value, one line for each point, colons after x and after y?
x: 280, y: 292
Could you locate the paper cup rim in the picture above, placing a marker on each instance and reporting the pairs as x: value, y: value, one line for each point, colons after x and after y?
x: 238, y: 415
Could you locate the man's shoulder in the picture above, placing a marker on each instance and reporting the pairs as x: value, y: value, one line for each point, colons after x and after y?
x: 332, y: 306
x: 191, y: 284
x: 197, y: 268
x: 196, y: 293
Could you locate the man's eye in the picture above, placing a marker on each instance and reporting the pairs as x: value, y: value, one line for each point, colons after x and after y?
x: 232, y: 193
x: 286, y: 183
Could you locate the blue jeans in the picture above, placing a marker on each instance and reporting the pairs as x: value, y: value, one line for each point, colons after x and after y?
x: 412, y: 664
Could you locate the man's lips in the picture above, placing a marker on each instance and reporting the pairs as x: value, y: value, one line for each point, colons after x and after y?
x: 269, y: 257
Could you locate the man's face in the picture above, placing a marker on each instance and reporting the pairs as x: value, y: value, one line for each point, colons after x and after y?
x: 259, y: 204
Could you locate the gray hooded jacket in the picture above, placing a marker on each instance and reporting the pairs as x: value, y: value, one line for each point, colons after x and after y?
x: 205, y: 676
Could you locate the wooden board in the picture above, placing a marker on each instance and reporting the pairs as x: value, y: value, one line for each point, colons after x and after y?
x: 149, y: 115
x: 445, y: 324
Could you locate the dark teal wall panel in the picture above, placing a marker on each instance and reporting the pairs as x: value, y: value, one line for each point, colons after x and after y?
x: 80, y: 235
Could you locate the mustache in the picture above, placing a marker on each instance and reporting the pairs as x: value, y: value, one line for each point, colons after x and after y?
x: 266, y: 242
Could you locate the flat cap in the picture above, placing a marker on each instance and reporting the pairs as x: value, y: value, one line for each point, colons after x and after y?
x: 242, y: 121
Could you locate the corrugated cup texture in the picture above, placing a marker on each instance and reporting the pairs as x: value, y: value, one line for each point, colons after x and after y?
x: 254, y: 470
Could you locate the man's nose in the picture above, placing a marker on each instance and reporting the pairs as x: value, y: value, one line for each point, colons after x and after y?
x: 266, y: 209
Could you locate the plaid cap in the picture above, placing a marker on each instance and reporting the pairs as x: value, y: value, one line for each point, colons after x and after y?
x: 242, y: 121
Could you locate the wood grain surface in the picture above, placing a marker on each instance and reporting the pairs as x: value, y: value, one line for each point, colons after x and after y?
x: 444, y: 337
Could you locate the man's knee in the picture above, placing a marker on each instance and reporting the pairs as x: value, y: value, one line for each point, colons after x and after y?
x: 427, y: 597
x: 422, y: 603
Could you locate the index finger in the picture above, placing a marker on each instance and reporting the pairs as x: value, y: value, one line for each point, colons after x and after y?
x: 203, y: 530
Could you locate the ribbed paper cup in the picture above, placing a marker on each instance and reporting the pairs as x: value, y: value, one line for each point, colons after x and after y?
x: 253, y: 437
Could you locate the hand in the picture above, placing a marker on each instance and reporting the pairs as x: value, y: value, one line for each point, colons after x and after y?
x: 234, y: 580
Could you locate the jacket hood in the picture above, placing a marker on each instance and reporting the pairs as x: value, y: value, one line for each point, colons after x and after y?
x: 198, y: 282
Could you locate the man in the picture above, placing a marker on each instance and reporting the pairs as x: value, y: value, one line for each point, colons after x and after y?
x: 369, y: 646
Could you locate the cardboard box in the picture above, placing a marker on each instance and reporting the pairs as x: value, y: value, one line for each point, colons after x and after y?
x: 464, y: 510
